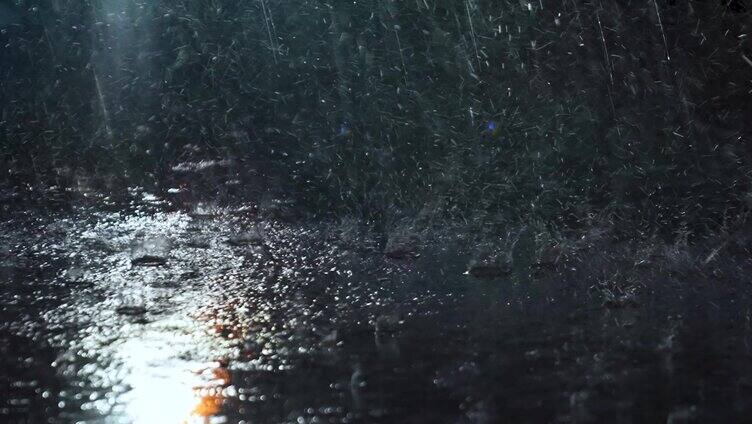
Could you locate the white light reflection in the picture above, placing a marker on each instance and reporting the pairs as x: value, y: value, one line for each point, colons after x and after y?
x: 167, y: 361
x: 167, y: 389
x: 169, y: 365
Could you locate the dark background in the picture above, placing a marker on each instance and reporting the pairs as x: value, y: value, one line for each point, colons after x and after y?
x: 564, y: 113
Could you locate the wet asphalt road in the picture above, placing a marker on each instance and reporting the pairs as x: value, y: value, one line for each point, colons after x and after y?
x: 140, y: 312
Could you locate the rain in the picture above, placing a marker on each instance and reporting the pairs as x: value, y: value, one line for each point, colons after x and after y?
x: 383, y: 211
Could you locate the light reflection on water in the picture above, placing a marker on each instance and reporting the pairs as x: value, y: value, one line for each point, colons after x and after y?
x: 167, y: 389
x: 221, y: 332
x: 168, y: 358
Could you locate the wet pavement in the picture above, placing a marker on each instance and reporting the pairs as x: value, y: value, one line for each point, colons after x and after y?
x: 137, y: 311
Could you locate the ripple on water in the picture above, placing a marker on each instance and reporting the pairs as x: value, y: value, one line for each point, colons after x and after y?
x: 300, y: 328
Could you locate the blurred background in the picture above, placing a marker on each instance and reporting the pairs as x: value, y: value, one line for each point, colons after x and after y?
x: 636, y: 111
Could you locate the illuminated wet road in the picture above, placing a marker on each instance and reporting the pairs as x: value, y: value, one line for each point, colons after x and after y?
x: 142, y: 312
